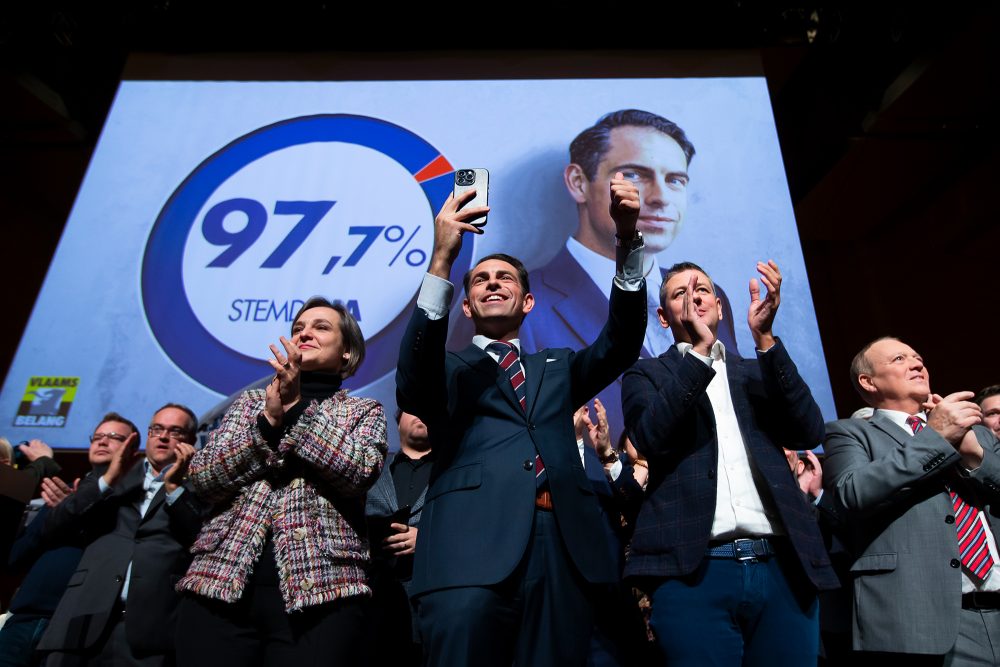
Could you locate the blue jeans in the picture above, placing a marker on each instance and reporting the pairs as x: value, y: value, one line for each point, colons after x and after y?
x: 729, y: 612
x: 18, y: 640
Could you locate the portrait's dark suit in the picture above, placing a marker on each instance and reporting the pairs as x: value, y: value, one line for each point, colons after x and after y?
x: 569, y: 312
x: 889, y: 487
x: 671, y: 422
x: 477, y: 524
x: 156, y: 545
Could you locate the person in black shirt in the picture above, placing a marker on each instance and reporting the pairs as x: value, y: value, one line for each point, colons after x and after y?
x: 393, y: 510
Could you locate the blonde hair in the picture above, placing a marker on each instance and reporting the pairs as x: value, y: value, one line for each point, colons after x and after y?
x: 6, y: 452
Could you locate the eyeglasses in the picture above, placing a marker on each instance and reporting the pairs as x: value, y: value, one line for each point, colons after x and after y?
x: 172, y: 432
x: 117, y: 437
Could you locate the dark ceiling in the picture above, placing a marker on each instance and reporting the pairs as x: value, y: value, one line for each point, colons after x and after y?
x: 887, y: 119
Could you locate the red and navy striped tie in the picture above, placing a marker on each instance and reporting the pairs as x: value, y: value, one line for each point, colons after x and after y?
x: 511, y: 365
x: 973, y: 548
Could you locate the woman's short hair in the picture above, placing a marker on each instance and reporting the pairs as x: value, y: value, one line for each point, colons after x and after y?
x: 350, y: 332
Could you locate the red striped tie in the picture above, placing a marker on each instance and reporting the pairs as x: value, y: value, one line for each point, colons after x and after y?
x: 507, y: 358
x: 973, y: 548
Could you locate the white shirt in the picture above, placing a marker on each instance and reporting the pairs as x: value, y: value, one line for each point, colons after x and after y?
x: 739, y: 507
x: 151, y: 483
x: 970, y: 582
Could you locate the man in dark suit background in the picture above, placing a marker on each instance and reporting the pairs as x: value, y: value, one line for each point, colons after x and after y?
x: 924, y: 569
x: 49, y: 564
x: 138, y: 519
x: 510, y: 540
x: 393, y: 509
x: 571, y: 291
x: 725, y: 544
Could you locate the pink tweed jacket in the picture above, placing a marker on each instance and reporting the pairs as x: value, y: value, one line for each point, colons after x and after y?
x: 310, y: 494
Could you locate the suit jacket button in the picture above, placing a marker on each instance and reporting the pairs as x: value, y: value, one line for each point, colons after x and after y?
x: 528, y: 465
x: 711, y: 473
x: 119, y: 579
x: 955, y: 563
x: 949, y: 519
x: 299, y: 534
x: 306, y: 584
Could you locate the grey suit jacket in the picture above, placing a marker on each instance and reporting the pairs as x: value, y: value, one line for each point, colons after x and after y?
x: 156, y: 544
x: 889, y: 489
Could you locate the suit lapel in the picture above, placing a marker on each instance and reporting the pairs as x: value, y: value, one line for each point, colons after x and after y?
x: 384, y: 491
x: 154, y: 504
x: 534, y: 369
x: 670, y: 359
x: 890, y: 428
x: 484, y: 363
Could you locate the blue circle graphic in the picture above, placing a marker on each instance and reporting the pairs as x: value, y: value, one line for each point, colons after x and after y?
x: 173, y: 322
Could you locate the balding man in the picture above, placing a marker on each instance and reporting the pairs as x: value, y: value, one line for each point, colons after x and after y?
x: 912, y: 483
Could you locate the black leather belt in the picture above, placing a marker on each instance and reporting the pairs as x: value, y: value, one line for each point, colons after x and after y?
x: 742, y: 549
x: 981, y: 600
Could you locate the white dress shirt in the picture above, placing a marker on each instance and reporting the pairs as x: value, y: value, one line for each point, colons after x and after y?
x: 739, y: 508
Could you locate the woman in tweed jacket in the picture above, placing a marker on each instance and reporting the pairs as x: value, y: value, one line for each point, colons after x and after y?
x: 278, y: 575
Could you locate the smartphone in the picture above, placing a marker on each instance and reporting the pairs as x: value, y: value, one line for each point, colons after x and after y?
x: 479, y: 180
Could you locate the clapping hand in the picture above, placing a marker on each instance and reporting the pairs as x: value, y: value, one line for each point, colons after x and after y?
x: 762, y: 311
x: 284, y: 390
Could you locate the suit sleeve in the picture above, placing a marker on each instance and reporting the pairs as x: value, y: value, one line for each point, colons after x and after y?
x: 421, y: 387
x: 76, y: 512
x: 656, y: 401
x: 796, y: 421
x: 863, y: 484
x: 345, y: 444
x: 236, y: 453
x: 987, y: 476
x: 186, y: 515
x: 616, y: 348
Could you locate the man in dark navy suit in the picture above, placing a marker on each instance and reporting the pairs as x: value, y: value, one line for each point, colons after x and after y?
x: 511, y: 542
x: 571, y: 291
x: 726, y: 544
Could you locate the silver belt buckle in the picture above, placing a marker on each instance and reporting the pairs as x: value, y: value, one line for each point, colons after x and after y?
x: 743, y: 549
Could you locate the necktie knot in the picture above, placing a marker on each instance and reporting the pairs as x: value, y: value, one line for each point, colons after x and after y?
x: 506, y: 353
x: 915, y: 423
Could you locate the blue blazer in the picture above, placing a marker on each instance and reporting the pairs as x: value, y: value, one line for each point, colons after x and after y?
x: 480, y: 503
x: 569, y: 313
x: 671, y: 422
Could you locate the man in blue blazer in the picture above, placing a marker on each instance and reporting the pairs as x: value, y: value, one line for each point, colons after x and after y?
x: 510, y: 541
x: 726, y: 545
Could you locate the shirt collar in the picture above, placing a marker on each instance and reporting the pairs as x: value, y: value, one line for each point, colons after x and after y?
x: 899, y: 418
x: 481, y: 342
x: 718, y: 350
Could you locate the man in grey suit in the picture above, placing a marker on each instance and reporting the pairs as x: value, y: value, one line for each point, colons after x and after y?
x: 914, y: 486
x: 138, y: 521
x: 393, y: 511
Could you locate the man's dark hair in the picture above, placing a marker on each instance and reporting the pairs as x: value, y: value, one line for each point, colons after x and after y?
x: 680, y: 267
x: 983, y: 394
x: 861, y: 365
x: 350, y: 332
x: 522, y: 273
x: 118, y: 419
x: 192, y: 417
x: 591, y: 145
